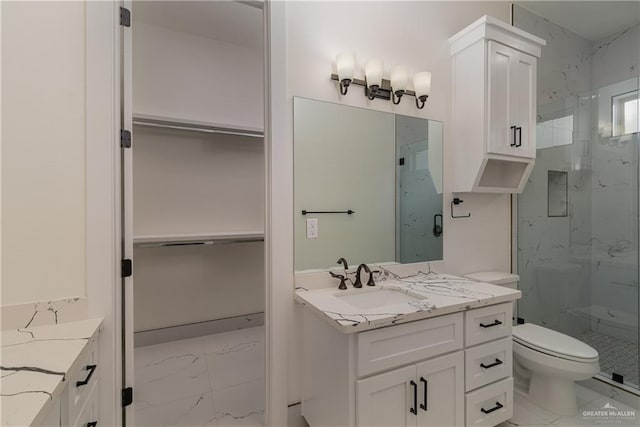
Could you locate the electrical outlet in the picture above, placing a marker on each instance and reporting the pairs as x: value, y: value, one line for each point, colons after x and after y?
x: 312, y: 228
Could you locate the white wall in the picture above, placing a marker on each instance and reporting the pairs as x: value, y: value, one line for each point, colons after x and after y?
x: 413, y: 34
x: 43, y: 151
x: 224, y: 83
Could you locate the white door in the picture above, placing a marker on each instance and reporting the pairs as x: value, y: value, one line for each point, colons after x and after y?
x: 523, y: 77
x: 389, y: 399
x: 441, y: 391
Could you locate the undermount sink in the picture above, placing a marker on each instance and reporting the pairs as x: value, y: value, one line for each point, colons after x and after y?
x: 376, y: 298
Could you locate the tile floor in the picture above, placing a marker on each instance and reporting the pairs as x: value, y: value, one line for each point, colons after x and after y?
x: 215, y: 380
x: 616, y: 355
x: 530, y: 415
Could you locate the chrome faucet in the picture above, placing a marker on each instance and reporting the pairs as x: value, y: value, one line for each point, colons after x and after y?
x: 358, y: 283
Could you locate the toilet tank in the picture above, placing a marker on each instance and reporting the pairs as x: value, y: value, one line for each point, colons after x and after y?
x: 499, y: 278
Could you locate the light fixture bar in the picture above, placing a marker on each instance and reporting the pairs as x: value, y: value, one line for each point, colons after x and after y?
x: 384, y: 92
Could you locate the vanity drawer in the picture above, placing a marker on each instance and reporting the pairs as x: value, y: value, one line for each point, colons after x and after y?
x: 490, y: 405
x: 387, y: 348
x: 82, y: 380
x: 487, y: 363
x: 487, y: 323
x: 89, y: 413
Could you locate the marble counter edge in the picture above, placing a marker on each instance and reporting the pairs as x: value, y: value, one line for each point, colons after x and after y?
x: 400, y: 318
x: 36, y: 416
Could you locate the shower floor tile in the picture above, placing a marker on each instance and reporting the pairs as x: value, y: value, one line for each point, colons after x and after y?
x: 215, y: 380
x: 616, y: 355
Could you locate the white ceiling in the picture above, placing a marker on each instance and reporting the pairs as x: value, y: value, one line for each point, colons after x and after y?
x: 594, y: 20
x: 228, y: 21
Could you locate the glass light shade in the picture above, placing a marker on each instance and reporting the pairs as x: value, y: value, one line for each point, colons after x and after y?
x: 422, y: 83
x: 399, y: 78
x: 345, y: 64
x: 373, y: 72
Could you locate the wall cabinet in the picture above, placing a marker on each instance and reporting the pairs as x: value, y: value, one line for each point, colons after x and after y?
x: 451, y: 370
x: 494, y: 106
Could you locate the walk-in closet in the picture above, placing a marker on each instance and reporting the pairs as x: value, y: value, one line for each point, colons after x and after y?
x: 195, y: 206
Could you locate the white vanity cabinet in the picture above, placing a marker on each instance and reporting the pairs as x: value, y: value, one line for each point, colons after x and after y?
x: 450, y: 370
x: 494, y: 106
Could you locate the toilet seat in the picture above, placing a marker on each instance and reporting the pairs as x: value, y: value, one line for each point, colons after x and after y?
x: 553, y: 343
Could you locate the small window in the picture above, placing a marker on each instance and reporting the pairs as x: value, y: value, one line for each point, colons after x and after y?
x: 625, y: 113
x: 554, y: 133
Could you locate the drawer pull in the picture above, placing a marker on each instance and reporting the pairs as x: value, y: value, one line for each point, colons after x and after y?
x: 92, y: 424
x: 423, y: 405
x: 495, y: 408
x: 414, y: 410
x: 91, y: 369
x: 490, y: 325
x: 496, y: 363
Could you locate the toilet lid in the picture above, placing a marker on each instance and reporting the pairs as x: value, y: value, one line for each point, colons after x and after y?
x: 553, y: 343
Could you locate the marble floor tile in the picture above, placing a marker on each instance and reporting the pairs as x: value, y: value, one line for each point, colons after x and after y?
x: 241, y: 405
x: 236, y: 358
x: 192, y: 411
x: 170, y: 371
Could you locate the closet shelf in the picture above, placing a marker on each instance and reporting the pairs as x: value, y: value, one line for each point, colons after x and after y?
x: 197, y: 238
x: 196, y: 126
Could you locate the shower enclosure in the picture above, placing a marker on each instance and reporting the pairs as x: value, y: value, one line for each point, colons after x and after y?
x: 577, y: 220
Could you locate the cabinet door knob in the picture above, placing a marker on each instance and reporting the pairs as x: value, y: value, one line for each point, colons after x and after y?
x: 514, y: 143
x: 414, y: 410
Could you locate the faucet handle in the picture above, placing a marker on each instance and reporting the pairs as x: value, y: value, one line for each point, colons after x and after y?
x: 343, y: 284
x: 371, y: 282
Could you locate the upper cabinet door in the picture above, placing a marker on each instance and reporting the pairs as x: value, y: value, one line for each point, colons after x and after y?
x: 389, y: 399
x: 441, y: 391
x: 524, y: 111
x: 511, y: 79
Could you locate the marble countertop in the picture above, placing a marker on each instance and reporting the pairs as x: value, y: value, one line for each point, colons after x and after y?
x: 439, y: 294
x: 34, y: 366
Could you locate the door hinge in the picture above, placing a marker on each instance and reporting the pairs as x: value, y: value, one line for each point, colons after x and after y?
x: 127, y: 396
x: 125, y: 138
x: 127, y: 268
x: 125, y: 17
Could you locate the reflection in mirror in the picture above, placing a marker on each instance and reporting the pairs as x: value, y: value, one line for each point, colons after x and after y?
x: 385, y: 168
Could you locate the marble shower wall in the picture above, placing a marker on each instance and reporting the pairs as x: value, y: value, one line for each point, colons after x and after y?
x: 552, y: 278
x: 581, y: 269
x: 614, y: 191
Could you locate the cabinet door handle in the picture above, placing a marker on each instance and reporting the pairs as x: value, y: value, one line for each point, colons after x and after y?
x: 91, y: 369
x: 414, y: 410
x: 490, y: 325
x: 519, y: 129
x: 514, y: 143
x: 423, y: 405
x: 92, y: 424
x: 491, y: 365
x: 495, y: 408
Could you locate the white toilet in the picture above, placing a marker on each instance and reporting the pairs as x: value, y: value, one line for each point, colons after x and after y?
x: 546, y: 362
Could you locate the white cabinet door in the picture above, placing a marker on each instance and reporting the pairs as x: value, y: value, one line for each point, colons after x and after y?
x: 389, y: 399
x: 511, y: 101
x: 441, y: 391
x: 523, y: 77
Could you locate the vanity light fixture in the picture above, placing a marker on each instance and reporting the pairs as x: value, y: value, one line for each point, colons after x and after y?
x: 422, y: 87
x: 399, y: 79
x: 375, y: 86
x: 345, y: 64
x: 373, y: 76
